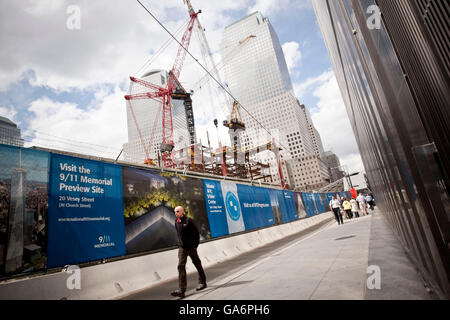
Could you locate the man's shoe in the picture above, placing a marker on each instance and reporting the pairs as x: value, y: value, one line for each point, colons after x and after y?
x: 201, y: 287
x: 177, y: 293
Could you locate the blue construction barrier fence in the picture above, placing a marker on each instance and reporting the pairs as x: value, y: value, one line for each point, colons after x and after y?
x: 58, y: 210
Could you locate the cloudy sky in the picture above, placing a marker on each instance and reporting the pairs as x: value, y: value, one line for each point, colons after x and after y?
x: 62, y: 80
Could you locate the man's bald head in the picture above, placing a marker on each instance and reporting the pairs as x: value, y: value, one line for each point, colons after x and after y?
x: 179, y: 211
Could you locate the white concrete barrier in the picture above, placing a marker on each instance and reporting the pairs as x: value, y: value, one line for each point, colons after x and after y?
x: 119, y: 278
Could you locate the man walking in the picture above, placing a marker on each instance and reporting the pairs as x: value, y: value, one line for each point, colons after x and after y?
x: 369, y: 201
x: 188, y: 240
x: 335, y: 206
x: 362, y: 204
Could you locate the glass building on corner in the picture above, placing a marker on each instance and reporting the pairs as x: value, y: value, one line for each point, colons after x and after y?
x: 257, y: 75
x: 395, y: 81
x: 148, y: 113
x: 9, y: 133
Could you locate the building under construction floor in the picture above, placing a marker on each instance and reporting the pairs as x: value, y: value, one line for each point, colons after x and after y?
x: 225, y: 161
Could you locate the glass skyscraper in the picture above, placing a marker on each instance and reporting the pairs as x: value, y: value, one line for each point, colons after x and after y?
x: 9, y: 133
x: 392, y: 63
x: 147, y: 111
x: 259, y: 79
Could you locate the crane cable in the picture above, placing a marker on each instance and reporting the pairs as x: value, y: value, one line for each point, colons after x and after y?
x: 161, y: 49
x: 61, y: 138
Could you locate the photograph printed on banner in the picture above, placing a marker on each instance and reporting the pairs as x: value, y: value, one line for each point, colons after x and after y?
x: 23, y: 210
x: 299, y: 205
x: 150, y: 198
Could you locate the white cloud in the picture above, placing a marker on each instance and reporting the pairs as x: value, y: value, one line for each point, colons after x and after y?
x: 42, y: 7
x: 270, y: 7
x: 292, y: 54
x: 331, y: 119
x: 105, y: 50
x: 66, y: 126
x: 352, y: 162
x: 8, y: 113
x: 102, y: 52
x: 301, y: 88
x: 267, y: 7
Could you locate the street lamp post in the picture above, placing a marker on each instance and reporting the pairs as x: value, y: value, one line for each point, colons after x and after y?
x: 346, y: 174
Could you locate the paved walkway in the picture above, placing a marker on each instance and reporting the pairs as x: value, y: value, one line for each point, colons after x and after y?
x: 327, y: 262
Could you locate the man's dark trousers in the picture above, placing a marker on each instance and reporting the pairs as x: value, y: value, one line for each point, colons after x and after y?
x: 338, y: 215
x: 182, y: 258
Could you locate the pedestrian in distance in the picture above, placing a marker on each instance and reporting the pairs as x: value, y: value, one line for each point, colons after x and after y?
x: 347, y: 208
x: 188, y: 240
x: 362, y: 204
x: 355, y: 207
x: 335, y: 207
x: 369, y: 201
x: 341, y: 201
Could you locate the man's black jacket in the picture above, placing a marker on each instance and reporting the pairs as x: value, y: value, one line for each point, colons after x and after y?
x: 188, y: 236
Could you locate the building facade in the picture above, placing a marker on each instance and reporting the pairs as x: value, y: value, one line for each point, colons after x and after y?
x: 334, y: 165
x: 392, y: 63
x: 259, y: 79
x: 148, y: 115
x: 314, y: 134
x: 308, y: 173
x: 9, y: 133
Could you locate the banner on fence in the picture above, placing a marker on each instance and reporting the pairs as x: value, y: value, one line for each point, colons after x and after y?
x: 58, y: 210
x: 308, y: 200
x: 85, y: 211
x: 283, y: 204
x: 319, y: 201
x: 223, y: 207
x: 299, y: 205
x: 256, y: 207
x: 150, y: 198
x: 235, y: 207
x: 23, y: 209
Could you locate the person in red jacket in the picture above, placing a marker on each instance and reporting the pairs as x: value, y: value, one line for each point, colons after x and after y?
x: 188, y: 240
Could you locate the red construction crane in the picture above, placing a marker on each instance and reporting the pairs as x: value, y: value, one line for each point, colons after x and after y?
x: 164, y: 95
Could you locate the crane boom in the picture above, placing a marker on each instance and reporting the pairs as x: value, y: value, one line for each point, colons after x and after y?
x: 164, y: 94
x: 145, y: 83
x: 206, y: 50
x: 178, y: 64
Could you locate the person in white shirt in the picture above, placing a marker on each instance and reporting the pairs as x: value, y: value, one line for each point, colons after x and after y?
x: 362, y: 203
x: 335, y: 206
x: 355, y: 207
x: 369, y: 201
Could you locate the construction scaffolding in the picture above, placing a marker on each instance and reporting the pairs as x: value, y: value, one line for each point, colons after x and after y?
x: 225, y: 161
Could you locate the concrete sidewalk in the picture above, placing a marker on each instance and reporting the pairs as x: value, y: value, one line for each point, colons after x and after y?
x: 400, y: 280
x: 329, y: 262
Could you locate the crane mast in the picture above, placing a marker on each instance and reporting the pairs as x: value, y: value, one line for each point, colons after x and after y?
x: 206, y: 52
